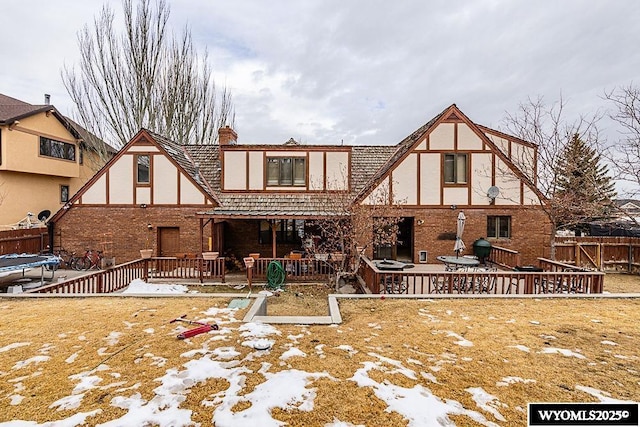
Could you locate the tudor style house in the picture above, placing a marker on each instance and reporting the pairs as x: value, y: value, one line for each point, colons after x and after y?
x: 246, y: 198
x: 44, y: 160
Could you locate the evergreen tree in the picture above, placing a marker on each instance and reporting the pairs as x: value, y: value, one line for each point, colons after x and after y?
x: 584, y: 190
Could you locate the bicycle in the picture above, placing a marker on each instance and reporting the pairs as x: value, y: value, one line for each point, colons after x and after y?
x: 67, y: 260
x: 91, y: 259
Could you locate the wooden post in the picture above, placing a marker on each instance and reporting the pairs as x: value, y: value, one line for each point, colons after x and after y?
x: 201, y: 234
x: 273, y: 239
x: 145, y: 271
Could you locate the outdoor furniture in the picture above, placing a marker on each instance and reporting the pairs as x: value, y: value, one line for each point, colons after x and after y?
x: 392, y: 283
x: 453, y: 263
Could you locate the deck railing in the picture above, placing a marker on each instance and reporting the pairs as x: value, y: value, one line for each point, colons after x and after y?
x: 479, y: 282
x: 301, y: 270
x: 99, y: 282
x: 507, y: 258
x: 119, y: 277
x: 550, y: 265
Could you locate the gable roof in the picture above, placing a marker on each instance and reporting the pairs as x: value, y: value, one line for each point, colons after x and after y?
x: 175, y: 152
x: 405, y: 146
x: 13, y: 110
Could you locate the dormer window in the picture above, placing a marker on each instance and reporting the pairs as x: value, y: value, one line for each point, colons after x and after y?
x: 286, y: 171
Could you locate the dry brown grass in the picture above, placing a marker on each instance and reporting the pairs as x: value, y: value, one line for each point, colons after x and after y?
x: 413, y: 332
x: 621, y: 283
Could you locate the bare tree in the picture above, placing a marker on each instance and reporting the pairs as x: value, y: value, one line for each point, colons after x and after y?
x: 548, y: 127
x: 351, y: 228
x: 625, y: 153
x: 145, y: 77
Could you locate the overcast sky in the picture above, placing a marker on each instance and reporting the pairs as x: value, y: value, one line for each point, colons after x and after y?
x: 362, y: 72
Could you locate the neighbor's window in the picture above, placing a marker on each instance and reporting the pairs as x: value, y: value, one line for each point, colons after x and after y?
x: 64, y: 193
x: 455, y: 168
x: 143, y: 169
x: 286, y: 171
x: 499, y: 226
x: 57, y: 149
x: 287, y: 231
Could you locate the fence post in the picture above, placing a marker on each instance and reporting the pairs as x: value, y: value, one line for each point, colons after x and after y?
x: 100, y: 283
x: 145, y: 271
x: 200, y: 273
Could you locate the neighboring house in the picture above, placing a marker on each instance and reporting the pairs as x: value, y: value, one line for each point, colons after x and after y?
x: 628, y: 209
x: 237, y: 198
x: 44, y: 160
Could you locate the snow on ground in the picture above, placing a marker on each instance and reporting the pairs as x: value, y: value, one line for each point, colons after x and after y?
x: 139, y: 286
x: 290, y: 389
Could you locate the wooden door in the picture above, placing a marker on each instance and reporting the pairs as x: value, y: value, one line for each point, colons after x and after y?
x: 168, y: 241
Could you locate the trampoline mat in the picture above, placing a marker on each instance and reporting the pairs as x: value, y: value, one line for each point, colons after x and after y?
x: 20, y: 260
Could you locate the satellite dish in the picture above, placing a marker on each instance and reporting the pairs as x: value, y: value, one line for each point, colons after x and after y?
x: 493, y: 192
x: 42, y: 216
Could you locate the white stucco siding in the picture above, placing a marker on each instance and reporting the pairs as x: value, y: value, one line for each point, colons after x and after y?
x: 508, y: 183
x: 256, y: 170
x: 456, y: 196
x: 430, y: 179
x: 405, y: 181
x: 441, y: 138
x: 189, y: 193
x: 165, y: 182
x: 379, y: 195
x: 121, y: 181
x: 502, y: 144
x: 530, y: 198
x: 143, y: 195
x: 423, y: 145
x: 523, y: 157
x: 316, y: 170
x: 235, y: 170
x: 97, y: 193
x: 480, y: 178
x: 337, y: 170
x: 143, y: 149
x: 467, y: 138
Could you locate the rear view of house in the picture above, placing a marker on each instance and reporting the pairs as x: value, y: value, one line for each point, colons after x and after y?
x: 245, y: 198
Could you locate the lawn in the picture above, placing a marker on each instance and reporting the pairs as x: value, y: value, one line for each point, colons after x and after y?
x: 117, y: 361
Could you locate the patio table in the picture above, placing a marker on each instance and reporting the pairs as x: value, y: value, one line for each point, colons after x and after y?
x: 453, y: 263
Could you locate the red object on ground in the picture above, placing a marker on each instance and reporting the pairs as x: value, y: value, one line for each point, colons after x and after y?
x: 197, y: 331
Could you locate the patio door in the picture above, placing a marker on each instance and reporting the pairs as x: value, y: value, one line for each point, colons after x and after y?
x: 403, y: 249
x: 168, y: 241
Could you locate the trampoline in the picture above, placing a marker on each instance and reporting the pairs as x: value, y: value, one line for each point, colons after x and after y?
x: 19, y: 263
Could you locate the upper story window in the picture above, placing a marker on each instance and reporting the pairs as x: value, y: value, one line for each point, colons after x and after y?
x: 57, y: 149
x: 286, y: 171
x: 143, y: 176
x: 455, y: 168
x: 499, y: 227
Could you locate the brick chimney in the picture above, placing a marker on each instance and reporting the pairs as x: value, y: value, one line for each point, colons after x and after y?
x: 227, y: 136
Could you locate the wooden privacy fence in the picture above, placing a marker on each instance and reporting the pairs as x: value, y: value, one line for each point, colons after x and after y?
x: 614, y: 254
x: 27, y: 240
x: 119, y: 277
x: 479, y: 282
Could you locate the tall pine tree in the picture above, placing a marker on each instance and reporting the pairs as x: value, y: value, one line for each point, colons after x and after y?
x: 584, y: 190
